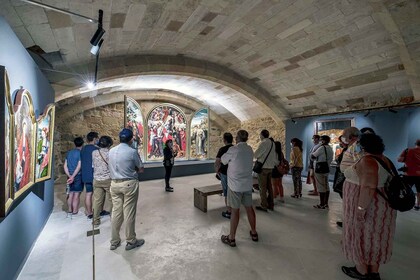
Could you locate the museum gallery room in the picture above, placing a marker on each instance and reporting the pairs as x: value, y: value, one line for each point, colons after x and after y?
x: 210, y: 139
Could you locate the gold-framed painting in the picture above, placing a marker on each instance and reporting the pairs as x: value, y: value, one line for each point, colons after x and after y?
x: 6, y: 144
x: 133, y: 119
x: 199, y: 139
x: 24, y: 130
x: 44, y: 144
x: 333, y: 128
x: 166, y: 121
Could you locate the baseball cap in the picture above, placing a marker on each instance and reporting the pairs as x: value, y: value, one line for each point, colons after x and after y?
x: 126, y: 134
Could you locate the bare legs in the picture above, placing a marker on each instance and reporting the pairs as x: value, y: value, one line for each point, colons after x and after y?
x: 234, y: 221
x: 73, y: 202
x: 277, y: 187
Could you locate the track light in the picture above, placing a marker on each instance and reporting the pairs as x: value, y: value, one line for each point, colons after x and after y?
x: 96, y: 38
x: 294, y: 121
x: 392, y: 110
x: 95, y: 49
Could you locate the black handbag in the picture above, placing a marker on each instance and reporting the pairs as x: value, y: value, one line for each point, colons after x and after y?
x: 258, y: 166
x: 322, y: 167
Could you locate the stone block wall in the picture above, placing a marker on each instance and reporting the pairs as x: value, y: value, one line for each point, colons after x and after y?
x: 254, y: 127
x: 109, y: 119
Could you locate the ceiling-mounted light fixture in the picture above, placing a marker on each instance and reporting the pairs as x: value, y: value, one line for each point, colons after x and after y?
x: 294, y: 121
x: 95, y: 49
x: 392, y: 110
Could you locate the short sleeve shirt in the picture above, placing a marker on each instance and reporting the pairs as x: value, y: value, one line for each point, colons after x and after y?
x: 123, y: 162
x: 100, y: 159
x: 73, y: 158
x: 223, y: 168
x: 86, y: 158
x: 412, y: 161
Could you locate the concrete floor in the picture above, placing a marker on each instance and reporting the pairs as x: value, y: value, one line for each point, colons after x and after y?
x: 296, y: 241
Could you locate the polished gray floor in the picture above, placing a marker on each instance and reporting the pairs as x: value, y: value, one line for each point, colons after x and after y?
x: 296, y: 241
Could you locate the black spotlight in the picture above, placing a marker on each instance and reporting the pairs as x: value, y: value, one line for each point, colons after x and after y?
x: 294, y: 121
x: 96, y: 38
x: 392, y: 110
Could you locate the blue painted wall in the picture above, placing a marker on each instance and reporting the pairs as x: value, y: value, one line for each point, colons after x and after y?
x: 20, y: 229
x: 398, y: 131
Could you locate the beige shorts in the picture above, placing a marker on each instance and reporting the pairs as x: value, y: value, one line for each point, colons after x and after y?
x: 235, y: 199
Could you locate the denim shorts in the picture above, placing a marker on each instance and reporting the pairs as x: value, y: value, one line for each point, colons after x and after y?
x: 89, y: 187
x: 223, y: 180
x: 235, y: 199
x: 77, y: 185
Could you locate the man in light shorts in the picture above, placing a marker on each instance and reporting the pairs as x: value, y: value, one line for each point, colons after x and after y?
x: 239, y: 173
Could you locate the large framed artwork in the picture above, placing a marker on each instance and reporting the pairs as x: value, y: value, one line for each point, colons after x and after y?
x: 133, y: 119
x: 199, y: 128
x: 44, y: 144
x: 333, y: 128
x: 166, y: 121
x: 24, y: 129
x: 6, y: 145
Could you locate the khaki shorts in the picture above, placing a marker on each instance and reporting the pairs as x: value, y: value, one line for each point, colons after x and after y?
x: 235, y: 199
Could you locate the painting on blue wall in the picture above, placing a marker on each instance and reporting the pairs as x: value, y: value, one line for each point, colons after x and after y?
x: 6, y: 144
x: 24, y: 128
x: 199, y: 134
x: 44, y: 144
x: 333, y: 128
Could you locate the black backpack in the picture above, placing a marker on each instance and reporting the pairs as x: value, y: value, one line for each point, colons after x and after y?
x: 399, y: 194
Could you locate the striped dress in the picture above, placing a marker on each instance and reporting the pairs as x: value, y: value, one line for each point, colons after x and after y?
x: 369, y: 242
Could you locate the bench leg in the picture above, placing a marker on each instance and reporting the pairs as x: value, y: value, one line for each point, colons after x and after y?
x: 200, y: 201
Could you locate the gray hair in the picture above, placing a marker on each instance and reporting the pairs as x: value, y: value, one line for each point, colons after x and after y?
x: 351, y: 132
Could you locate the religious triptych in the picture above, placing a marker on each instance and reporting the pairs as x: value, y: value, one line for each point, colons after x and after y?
x: 167, y: 122
x: 26, y: 144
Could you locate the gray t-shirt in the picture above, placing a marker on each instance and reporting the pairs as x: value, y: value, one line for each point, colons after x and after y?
x: 123, y: 161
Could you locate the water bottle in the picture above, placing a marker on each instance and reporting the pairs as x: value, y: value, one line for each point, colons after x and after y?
x: 67, y: 189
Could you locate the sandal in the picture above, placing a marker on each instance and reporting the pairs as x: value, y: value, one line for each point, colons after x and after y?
x: 319, y: 206
x: 254, y: 237
x: 353, y: 273
x: 226, y: 240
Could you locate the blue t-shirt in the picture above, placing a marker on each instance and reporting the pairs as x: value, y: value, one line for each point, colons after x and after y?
x: 73, y: 158
x: 86, y: 157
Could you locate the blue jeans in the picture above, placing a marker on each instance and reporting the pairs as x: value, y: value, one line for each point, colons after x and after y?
x: 223, y: 180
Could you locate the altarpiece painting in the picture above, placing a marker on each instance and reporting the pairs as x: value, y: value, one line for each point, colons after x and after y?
x: 165, y: 122
x: 44, y: 144
x: 24, y: 128
x: 133, y: 119
x: 199, y: 134
x: 6, y: 166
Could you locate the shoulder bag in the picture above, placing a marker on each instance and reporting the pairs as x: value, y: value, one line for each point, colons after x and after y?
x: 322, y: 167
x: 258, y: 166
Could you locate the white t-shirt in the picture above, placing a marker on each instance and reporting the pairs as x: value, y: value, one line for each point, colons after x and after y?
x: 239, y: 173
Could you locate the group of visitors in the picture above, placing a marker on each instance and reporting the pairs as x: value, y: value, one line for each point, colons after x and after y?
x: 107, y: 173
x: 368, y: 220
x: 79, y: 168
x: 361, y: 174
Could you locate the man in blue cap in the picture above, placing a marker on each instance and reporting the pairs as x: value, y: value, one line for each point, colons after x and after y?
x: 124, y: 166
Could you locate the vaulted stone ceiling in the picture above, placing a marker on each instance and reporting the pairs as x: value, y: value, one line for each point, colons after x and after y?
x: 291, y: 57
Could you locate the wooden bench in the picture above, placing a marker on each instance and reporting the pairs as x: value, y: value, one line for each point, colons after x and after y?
x: 201, y: 194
